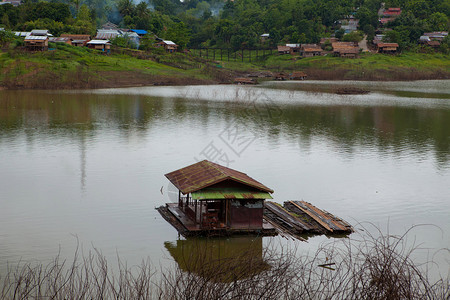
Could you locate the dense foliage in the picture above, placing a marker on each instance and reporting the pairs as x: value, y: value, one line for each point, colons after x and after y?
x: 236, y: 24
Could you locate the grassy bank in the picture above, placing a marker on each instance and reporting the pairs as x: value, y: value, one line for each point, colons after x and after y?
x: 72, y: 67
x: 369, y: 66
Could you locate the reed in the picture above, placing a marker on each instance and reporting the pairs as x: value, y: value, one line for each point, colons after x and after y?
x: 378, y: 266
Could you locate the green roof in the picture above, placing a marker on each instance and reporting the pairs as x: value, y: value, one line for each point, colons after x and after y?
x: 228, y: 193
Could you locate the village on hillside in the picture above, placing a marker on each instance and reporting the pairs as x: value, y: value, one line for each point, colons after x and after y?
x: 347, y: 45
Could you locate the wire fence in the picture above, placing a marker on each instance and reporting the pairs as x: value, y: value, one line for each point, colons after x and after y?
x: 243, y: 55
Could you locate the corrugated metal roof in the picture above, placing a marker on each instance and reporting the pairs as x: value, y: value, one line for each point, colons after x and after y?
x: 34, y: 38
x: 140, y: 31
x: 98, y: 42
x: 205, y: 173
x: 228, y: 193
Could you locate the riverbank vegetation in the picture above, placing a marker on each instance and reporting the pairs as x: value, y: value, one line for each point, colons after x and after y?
x: 69, y: 67
x: 363, y: 267
x: 235, y: 24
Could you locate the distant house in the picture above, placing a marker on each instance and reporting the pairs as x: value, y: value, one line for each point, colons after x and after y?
x: 40, y: 32
x: 284, y: 49
x: 388, y: 48
x: 264, y: 37
x: 169, y: 46
x: 139, y: 32
x: 109, y: 25
x: 436, y: 36
x: 103, y: 45
x: 345, y: 49
x: 14, y: 3
x: 392, y: 12
x: 294, y: 48
x: 63, y: 40
x: 310, y: 50
x: 78, y: 40
x: 330, y: 40
x: 299, y: 75
x: 378, y: 38
x: 36, y: 43
x: 349, y: 24
x: 107, y: 34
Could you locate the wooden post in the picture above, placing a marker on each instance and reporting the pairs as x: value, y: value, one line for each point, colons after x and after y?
x: 196, y: 202
x: 214, y: 54
x: 228, y: 52
x: 207, y: 54
x: 200, y: 52
x: 180, y: 203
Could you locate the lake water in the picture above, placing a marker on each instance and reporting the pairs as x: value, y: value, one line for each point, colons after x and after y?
x: 87, y: 167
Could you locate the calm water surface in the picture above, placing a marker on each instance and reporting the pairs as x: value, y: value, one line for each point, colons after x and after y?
x: 87, y: 167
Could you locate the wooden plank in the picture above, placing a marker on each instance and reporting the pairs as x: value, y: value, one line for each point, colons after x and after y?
x: 286, y: 216
x: 335, y: 222
x: 312, y: 215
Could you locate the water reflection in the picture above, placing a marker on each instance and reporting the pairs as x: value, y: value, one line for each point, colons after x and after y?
x: 390, y: 129
x: 219, y: 259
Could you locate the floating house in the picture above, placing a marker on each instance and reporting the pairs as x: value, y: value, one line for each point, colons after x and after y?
x: 214, y: 198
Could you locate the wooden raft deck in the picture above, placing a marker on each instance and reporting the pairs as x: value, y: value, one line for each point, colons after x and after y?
x: 187, y: 227
x: 296, y: 219
x: 299, y: 218
x: 330, y: 222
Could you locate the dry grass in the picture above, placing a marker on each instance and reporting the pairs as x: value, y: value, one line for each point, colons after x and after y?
x: 368, y: 267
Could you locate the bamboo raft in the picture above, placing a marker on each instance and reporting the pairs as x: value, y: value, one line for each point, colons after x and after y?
x: 297, y: 218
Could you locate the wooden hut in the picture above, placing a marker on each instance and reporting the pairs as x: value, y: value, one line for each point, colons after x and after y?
x: 389, y: 48
x: 78, y: 40
x: 169, y: 46
x: 36, y: 43
x: 310, y: 50
x: 103, y: 45
x: 212, y: 197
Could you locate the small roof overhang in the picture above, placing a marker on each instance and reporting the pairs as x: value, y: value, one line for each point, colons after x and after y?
x: 228, y: 193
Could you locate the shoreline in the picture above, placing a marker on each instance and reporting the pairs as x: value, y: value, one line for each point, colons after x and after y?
x: 127, y: 79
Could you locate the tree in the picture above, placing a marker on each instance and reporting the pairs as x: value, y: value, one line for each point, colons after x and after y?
x: 179, y: 34
x: 355, y: 36
x: 438, y: 22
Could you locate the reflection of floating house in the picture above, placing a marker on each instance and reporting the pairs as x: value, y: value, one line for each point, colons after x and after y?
x: 214, y: 198
x: 218, y: 259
